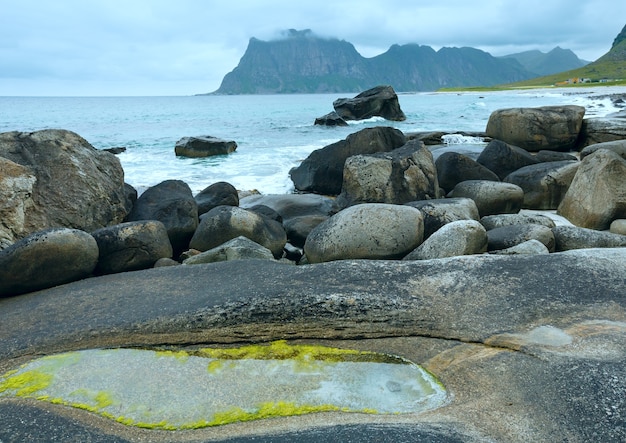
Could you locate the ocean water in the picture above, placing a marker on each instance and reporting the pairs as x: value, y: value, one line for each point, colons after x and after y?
x: 273, y: 132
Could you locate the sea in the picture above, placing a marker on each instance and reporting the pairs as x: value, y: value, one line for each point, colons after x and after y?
x: 274, y: 133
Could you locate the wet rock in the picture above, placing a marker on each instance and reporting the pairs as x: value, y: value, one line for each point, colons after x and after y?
x: 131, y: 246
x: 217, y: 194
x: 503, y: 158
x: 225, y: 223
x: 438, y: 212
x: 574, y: 237
x: 203, y: 146
x: 491, y: 197
x: 544, y: 184
x: 509, y: 236
x: 454, y: 168
x: 534, y: 129
x: 370, y: 231
x: 331, y: 119
x: 45, y: 259
x: 463, y: 237
x: 322, y: 171
x: 379, y: 101
x: 597, y: 195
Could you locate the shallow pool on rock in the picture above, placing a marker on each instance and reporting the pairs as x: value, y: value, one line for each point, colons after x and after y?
x: 208, y: 387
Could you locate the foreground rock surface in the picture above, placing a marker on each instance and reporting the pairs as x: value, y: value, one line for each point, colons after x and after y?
x: 537, y: 341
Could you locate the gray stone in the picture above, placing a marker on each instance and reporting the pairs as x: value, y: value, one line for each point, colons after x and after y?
x: 203, y: 146
x: 497, y: 221
x: 292, y: 205
x: 463, y: 237
x: 369, y: 230
x: 16, y: 189
x: 240, y: 248
x: 299, y: 228
x: 618, y: 226
x: 503, y: 158
x: 131, y: 246
x: 330, y: 119
x: 597, y: 195
x: 534, y: 129
x: 554, y: 156
x: 45, y: 259
x: 544, y: 184
x: 379, y: 101
x: 76, y: 186
x: 601, y: 130
x: 217, y: 194
x: 322, y: 171
x: 438, y: 212
x: 491, y: 197
x: 162, y: 262
x: 225, y: 223
x: 170, y: 202
x: 509, y: 236
x: 617, y: 146
x: 574, y: 237
x: 402, y: 175
x: 453, y: 168
x: 530, y: 247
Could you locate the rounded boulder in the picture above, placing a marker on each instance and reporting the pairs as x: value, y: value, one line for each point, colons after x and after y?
x: 491, y: 197
x: 366, y: 231
x: 462, y: 237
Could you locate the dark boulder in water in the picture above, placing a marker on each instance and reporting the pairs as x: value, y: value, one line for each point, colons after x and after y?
x: 203, y: 146
x: 381, y: 101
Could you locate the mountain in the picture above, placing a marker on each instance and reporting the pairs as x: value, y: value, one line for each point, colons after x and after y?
x: 610, y: 67
x: 540, y: 63
x: 302, y: 62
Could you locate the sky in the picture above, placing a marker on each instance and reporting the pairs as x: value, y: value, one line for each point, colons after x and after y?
x: 185, y: 47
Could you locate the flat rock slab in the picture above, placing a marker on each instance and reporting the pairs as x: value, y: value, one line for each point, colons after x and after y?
x: 530, y: 348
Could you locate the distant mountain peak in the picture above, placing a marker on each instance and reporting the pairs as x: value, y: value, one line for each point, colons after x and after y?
x: 620, y: 37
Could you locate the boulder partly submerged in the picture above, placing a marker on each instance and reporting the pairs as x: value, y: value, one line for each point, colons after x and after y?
x: 380, y: 101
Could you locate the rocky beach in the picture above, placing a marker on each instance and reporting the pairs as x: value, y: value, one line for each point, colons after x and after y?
x: 501, y: 274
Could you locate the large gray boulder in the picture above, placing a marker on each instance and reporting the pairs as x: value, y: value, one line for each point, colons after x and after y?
x: 170, y: 202
x: 402, y: 175
x: 331, y: 119
x: 290, y: 206
x: 369, y: 231
x: 203, y: 146
x: 574, y: 237
x: 597, y: 195
x: 322, y: 171
x: 75, y: 185
x: 503, y: 158
x: 544, y: 184
x: 454, y: 168
x: 217, y: 194
x: 462, y: 237
x: 45, y: 259
x: 131, y: 246
x: 533, y: 129
x: 239, y: 248
x: 617, y: 146
x: 529, y: 247
x: 601, y: 130
x: 497, y: 221
x: 513, y: 235
x: 380, y: 101
x: 225, y: 223
x: 438, y: 212
x: 299, y: 228
x: 491, y: 197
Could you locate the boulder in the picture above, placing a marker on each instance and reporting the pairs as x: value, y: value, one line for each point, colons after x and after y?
x: 554, y: 156
x: 554, y: 128
x: 513, y: 235
x: 239, y: 248
x: 618, y: 226
x: 453, y: 168
x: 267, y: 212
x: 16, y: 190
x: 203, y: 146
x: 331, y: 119
x: 462, y: 237
x: 438, y: 212
x: 380, y: 101
x: 617, y: 146
x: 170, y: 202
x: 402, y: 175
x: 131, y: 246
x: 573, y: 237
x: 502, y: 158
x: 322, y: 171
x: 299, y: 228
x: 217, y: 194
x: 45, y: 259
x: 163, y: 262
x: 530, y: 247
x: 597, y: 195
x: 76, y: 186
x: 491, y: 197
x: 292, y: 205
x: 369, y: 231
x: 497, y: 221
x: 600, y: 130
x: 130, y: 197
x: 544, y: 184
x: 224, y: 223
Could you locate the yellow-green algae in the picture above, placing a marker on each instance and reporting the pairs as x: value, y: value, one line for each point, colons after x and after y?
x: 209, y: 387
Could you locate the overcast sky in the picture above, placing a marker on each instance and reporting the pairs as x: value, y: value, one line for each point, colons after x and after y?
x: 184, y: 47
